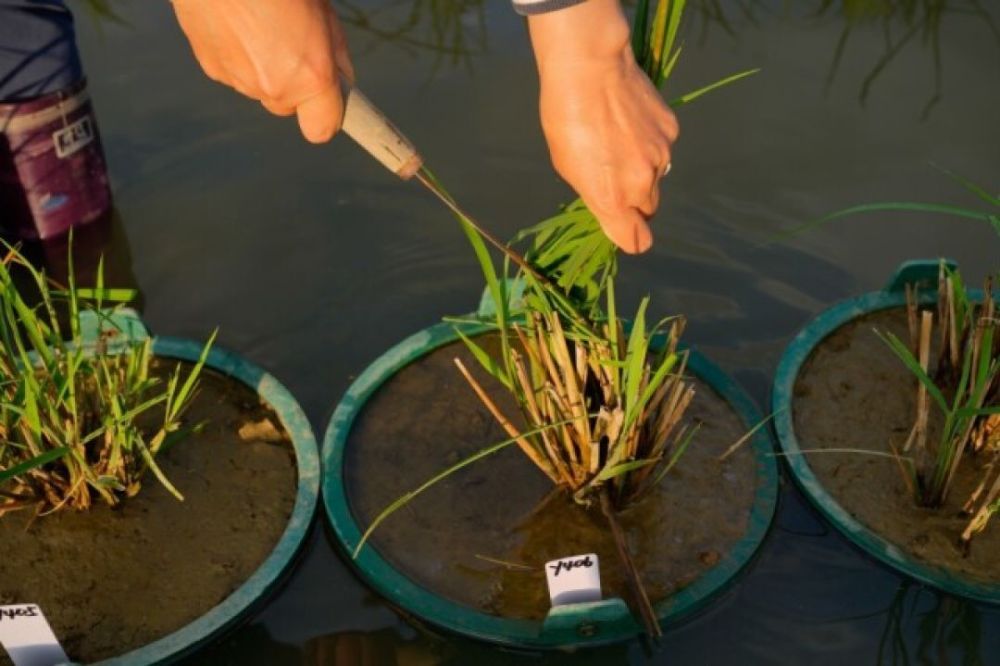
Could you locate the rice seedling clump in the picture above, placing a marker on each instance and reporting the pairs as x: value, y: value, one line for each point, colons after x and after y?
x: 81, y: 419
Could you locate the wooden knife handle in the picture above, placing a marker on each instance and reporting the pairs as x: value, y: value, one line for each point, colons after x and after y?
x: 364, y: 123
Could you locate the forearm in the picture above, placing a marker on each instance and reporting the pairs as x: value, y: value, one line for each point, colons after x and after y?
x: 586, y: 32
x: 609, y: 131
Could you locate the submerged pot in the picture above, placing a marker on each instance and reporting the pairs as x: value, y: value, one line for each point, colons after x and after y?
x: 565, y: 626
x: 238, y: 604
x: 829, y: 328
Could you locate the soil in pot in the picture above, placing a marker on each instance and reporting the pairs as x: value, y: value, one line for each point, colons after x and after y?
x: 853, y: 392
x: 110, y: 580
x: 482, y: 536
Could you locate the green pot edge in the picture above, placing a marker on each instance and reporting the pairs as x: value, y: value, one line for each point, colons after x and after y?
x: 441, y: 612
x: 244, y: 599
x: 791, y: 362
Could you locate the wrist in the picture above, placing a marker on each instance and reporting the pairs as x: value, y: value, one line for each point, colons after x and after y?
x: 592, y: 32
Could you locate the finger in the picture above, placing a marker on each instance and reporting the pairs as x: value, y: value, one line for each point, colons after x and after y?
x: 659, y: 156
x: 626, y: 228
x: 320, y: 115
x: 651, y: 202
x: 641, y: 190
x: 669, y: 125
x: 341, y: 55
x: 277, y: 108
x: 244, y: 88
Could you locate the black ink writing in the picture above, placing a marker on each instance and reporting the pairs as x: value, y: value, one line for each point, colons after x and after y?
x: 14, y: 613
x: 567, y: 565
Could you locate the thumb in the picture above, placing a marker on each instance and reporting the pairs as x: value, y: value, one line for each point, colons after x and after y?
x: 320, y: 115
x: 626, y: 228
x: 341, y: 55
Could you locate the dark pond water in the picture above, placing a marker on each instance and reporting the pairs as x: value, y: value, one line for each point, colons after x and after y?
x: 313, y: 260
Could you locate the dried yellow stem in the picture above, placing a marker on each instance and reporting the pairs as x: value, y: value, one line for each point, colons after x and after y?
x: 524, y: 444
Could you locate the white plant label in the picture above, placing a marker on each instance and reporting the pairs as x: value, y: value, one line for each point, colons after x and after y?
x: 574, y: 580
x: 28, y: 638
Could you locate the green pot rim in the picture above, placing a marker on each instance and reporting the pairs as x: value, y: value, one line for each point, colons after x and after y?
x: 441, y: 612
x: 269, y: 574
x: 796, y: 354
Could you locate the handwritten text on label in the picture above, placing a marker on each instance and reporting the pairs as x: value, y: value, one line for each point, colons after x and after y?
x: 567, y: 565
x: 20, y: 611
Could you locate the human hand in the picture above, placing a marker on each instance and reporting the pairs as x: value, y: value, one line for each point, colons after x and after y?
x: 288, y: 54
x: 609, y: 131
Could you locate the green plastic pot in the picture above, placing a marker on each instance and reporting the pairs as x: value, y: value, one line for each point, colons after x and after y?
x: 569, y: 626
x: 924, y: 273
x: 243, y: 600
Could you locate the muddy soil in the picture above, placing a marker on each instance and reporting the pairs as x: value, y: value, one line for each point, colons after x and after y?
x: 854, y: 393
x: 482, y: 536
x: 110, y: 580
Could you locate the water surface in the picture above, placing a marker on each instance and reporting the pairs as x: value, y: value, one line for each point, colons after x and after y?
x: 313, y: 260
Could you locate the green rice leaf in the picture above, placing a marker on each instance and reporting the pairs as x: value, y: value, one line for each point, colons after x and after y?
x: 668, y: 67
x: 891, y: 207
x: 184, y: 392
x: 970, y: 186
x: 34, y: 463
x: 74, y: 304
x: 639, y: 45
x: 157, y: 472
x: 173, y: 438
x: 408, y: 497
x: 31, y: 415
x: 656, y: 380
x: 972, y: 412
x: 112, y: 295
x: 657, y: 32
x: 913, y: 365
x: 612, y: 471
x: 488, y: 363
x: 668, y: 56
x: 635, y: 359
x: 678, y: 452
x: 695, y: 94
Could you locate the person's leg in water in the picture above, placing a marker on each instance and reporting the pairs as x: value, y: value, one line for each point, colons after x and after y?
x: 53, y: 174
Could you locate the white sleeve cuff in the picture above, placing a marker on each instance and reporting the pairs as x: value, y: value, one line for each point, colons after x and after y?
x: 529, y: 7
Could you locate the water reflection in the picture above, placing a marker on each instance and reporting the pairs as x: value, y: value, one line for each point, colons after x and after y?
x: 102, y: 244
x: 387, y: 647
x: 902, y: 22
x: 314, y: 261
x: 453, y: 30
x: 456, y: 30
x: 100, y: 11
x: 925, y: 627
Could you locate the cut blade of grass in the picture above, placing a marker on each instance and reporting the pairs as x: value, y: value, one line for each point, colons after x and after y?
x: 437, y: 478
x: 689, y: 97
x: 749, y: 435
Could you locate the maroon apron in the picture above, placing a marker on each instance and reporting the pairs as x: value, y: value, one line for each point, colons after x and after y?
x: 52, y: 170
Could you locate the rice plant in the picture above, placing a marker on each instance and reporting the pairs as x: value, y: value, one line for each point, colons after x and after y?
x: 603, y: 407
x: 988, y: 214
x: 79, y: 421
x: 964, y: 385
x: 966, y: 372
